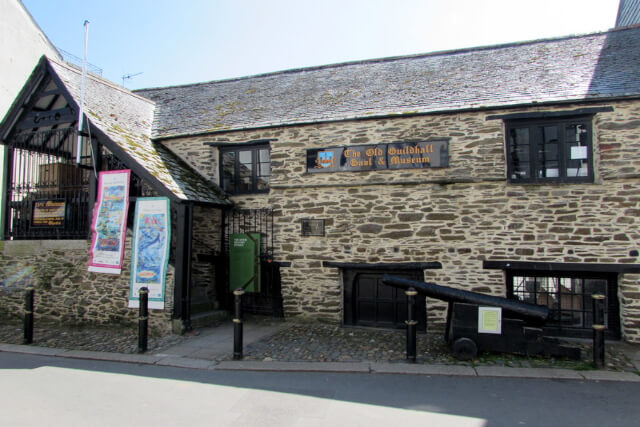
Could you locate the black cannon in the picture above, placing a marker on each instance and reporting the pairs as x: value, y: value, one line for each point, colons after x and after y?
x: 479, y: 322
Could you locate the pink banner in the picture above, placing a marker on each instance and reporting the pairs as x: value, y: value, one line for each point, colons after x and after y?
x: 109, y: 224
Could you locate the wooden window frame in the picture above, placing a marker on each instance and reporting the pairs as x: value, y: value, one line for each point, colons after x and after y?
x: 255, y: 164
x: 535, y: 143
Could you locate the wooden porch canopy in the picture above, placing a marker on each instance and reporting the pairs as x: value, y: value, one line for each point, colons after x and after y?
x: 121, y: 122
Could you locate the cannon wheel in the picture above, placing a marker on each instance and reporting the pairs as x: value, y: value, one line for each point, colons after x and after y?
x: 464, y: 349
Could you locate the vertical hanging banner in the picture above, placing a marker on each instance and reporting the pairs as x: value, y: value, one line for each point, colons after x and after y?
x: 150, y: 251
x: 109, y: 223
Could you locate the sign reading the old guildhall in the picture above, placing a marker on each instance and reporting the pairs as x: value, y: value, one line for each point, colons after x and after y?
x: 397, y: 155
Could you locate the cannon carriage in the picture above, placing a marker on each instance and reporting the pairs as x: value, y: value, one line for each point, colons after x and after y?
x: 478, y: 322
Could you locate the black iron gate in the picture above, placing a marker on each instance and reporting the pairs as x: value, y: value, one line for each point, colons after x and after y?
x: 47, y: 194
x: 268, y: 300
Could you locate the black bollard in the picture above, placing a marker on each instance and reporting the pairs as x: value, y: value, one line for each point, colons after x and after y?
x: 28, y: 316
x: 598, y: 330
x: 411, y: 324
x: 237, y: 325
x: 143, y: 320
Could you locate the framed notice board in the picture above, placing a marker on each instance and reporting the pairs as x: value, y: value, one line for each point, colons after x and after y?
x: 48, y: 213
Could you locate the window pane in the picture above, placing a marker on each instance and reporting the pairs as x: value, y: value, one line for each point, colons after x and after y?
x: 264, y: 155
x: 568, y: 298
x: 228, y: 171
x: 245, y: 157
x: 524, y: 289
x: 577, y: 151
x: 262, y: 183
x: 245, y: 174
x: 264, y: 169
x: 548, y: 165
x: 519, y: 153
x: 264, y: 163
x: 228, y: 183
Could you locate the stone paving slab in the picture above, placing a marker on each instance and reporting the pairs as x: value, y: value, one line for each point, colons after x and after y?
x: 419, y: 369
x: 208, y: 354
x: 547, y: 373
x: 354, y: 367
x: 177, y: 351
x: 112, y: 357
x: 27, y: 349
x: 611, y: 376
x: 182, y: 362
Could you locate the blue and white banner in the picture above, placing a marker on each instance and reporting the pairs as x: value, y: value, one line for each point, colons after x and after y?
x: 150, y: 251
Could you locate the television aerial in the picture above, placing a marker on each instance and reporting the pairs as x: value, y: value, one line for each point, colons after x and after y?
x: 129, y: 76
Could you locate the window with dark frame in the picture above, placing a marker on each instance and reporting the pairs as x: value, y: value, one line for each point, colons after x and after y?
x: 568, y: 295
x: 551, y: 150
x: 245, y: 169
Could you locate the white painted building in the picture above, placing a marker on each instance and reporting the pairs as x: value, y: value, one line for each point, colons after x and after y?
x: 22, y: 42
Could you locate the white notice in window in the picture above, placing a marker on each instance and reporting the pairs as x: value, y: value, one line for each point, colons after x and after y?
x: 578, y: 153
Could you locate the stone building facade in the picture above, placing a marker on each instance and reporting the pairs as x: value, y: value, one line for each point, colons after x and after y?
x: 509, y: 170
x: 459, y: 216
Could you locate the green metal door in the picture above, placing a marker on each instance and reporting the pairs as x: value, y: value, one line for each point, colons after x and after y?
x: 244, y: 262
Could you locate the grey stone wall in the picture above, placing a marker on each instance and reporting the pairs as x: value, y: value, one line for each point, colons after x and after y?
x: 65, y: 292
x: 459, y: 216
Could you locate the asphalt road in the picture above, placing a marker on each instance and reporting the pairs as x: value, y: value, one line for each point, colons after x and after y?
x: 49, y: 391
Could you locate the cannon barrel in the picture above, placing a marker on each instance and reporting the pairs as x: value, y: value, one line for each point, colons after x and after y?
x: 512, y: 308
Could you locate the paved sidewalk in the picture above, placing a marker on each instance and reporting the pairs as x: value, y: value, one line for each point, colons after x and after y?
x: 174, y: 360
x: 212, y: 343
x: 211, y: 349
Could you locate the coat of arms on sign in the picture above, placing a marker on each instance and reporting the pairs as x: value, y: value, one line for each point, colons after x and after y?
x: 325, y: 159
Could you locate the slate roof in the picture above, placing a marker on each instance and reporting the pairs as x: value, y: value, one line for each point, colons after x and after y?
x: 628, y: 13
x: 126, y: 119
x: 587, y: 67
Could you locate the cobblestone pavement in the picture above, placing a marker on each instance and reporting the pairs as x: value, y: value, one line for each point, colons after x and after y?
x: 313, y: 342
x: 112, y: 339
x: 331, y: 343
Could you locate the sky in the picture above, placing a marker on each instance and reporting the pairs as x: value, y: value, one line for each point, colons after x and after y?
x: 165, y: 43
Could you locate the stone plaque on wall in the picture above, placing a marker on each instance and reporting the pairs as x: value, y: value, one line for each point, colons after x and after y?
x: 397, y: 155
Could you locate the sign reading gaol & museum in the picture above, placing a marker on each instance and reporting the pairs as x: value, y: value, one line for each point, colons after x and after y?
x: 397, y: 155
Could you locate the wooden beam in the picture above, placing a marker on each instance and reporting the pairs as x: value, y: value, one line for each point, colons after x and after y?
x: 384, y: 265
x: 586, y: 267
x: 47, y: 118
x: 55, y: 91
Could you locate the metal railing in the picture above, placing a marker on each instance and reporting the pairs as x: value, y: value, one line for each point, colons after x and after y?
x: 47, y: 193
